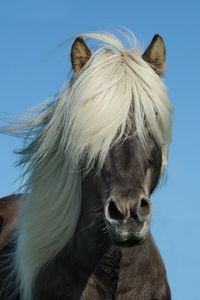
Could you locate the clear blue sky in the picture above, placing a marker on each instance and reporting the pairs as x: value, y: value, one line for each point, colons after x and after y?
x: 31, y: 70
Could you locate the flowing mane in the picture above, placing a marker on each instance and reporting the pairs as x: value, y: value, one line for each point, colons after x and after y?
x: 113, y: 95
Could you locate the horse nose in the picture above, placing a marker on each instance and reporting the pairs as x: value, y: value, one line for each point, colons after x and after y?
x: 121, y: 210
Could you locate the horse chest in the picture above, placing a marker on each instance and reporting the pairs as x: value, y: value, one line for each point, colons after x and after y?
x: 113, y: 280
x: 119, y: 277
x: 116, y: 285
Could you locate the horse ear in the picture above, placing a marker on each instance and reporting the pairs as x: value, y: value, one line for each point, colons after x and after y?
x: 155, y: 54
x: 80, y: 54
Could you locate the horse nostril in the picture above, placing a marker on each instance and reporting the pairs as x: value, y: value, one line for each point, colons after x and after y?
x: 144, y: 207
x: 144, y: 202
x: 140, y: 212
x: 114, y: 212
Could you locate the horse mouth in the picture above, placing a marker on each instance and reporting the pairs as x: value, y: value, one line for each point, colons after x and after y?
x: 123, y: 237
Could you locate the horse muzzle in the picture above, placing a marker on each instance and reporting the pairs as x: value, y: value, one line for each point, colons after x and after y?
x: 128, y: 220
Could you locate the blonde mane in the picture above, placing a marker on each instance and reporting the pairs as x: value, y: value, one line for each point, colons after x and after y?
x: 115, y: 92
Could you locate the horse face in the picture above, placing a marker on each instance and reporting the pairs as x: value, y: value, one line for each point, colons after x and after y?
x: 128, y: 178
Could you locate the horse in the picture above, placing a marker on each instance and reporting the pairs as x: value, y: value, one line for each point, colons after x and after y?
x: 92, y: 159
x: 9, y: 210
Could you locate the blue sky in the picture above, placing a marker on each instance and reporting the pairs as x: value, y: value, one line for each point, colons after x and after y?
x: 33, y: 68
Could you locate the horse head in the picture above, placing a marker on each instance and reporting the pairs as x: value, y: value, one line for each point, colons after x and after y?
x: 131, y: 171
